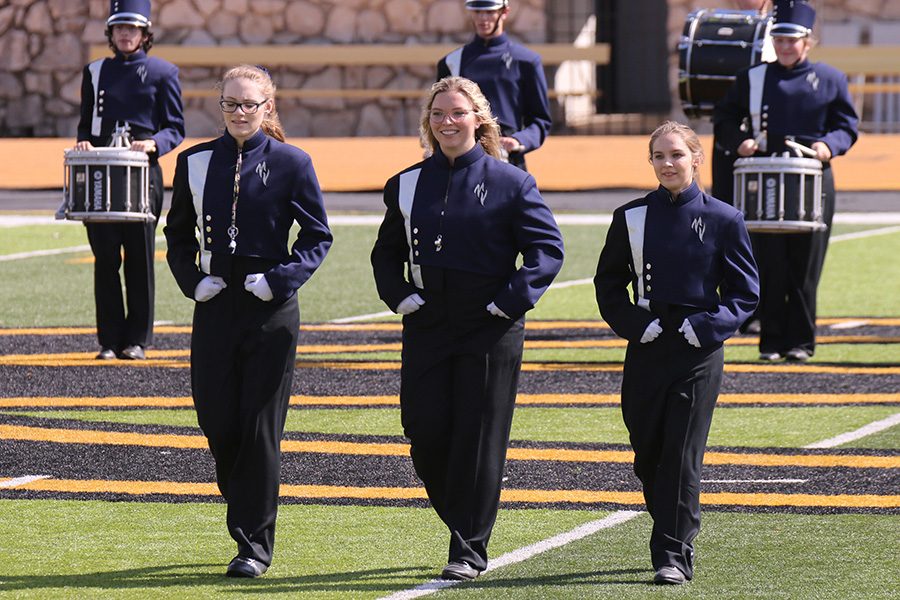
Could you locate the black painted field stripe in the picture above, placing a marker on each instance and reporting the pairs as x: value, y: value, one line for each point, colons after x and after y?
x: 118, y: 438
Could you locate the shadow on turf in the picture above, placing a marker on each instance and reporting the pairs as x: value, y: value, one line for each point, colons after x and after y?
x: 190, y: 575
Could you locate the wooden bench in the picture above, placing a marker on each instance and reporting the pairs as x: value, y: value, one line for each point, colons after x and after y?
x: 346, y: 55
x: 865, y: 61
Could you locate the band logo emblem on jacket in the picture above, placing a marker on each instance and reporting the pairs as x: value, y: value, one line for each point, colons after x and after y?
x: 813, y: 80
x: 481, y: 192
x: 263, y: 171
x: 699, y: 228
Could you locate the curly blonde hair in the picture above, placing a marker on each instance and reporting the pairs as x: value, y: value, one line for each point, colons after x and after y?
x: 271, y: 125
x: 488, y: 131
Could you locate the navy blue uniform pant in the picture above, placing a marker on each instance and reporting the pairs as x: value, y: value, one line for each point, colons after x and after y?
x: 242, y: 363
x: 126, y: 320
x: 669, y: 390
x: 458, y: 389
x: 790, y: 266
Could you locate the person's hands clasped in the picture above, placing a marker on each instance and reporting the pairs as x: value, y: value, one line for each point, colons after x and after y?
x: 495, y: 310
x: 687, y: 330
x: 652, y: 332
x: 256, y: 284
x: 208, y: 288
x: 410, y: 304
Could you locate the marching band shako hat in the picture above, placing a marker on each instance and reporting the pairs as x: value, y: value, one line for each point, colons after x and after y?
x: 486, y: 4
x: 129, y: 12
x: 793, y: 18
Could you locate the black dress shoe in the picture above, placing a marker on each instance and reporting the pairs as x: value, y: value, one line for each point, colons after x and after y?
x: 241, y: 566
x: 106, y: 354
x: 133, y: 353
x: 798, y: 355
x: 459, y: 571
x: 669, y: 576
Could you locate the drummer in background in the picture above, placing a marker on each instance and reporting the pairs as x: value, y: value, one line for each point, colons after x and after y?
x: 809, y: 102
x: 510, y: 76
x: 143, y: 93
x: 723, y: 158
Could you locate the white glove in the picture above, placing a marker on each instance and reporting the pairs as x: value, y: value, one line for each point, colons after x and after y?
x: 410, y: 304
x: 208, y: 288
x: 256, y: 284
x: 652, y: 332
x: 492, y: 308
x: 688, y: 330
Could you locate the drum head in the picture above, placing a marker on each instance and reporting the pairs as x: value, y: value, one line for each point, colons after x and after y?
x: 715, y: 45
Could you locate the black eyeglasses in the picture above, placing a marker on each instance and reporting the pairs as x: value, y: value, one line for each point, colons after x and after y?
x: 248, y: 108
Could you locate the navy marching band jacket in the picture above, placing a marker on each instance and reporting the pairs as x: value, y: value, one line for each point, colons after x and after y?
x: 476, y: 216
x: 140, y: 90
x: 810, y: 102
x: 691, y: 252
x: 277, y: 187
x: 512, y: 79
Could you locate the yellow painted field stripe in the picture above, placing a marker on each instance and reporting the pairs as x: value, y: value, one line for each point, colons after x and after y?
x: 417, y: 493
x: 617, y: 367
x: 83, y: 436
x: 521, y: 399
x: 396, y: 326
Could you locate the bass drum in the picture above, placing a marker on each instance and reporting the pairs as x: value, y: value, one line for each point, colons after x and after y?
x: 714, y: 46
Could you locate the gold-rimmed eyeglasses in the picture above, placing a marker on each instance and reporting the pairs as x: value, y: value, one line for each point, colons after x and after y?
x: 248, y: 108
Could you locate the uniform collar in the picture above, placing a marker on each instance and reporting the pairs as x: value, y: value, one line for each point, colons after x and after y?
x: 800, y: 67
x: 133, y: 57
x: 687, y: 194
x: 254, y: 141
x: 494, y: 41
x: 461, y: 162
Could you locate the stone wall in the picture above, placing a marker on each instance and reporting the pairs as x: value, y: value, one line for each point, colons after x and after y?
x: 44, y: 46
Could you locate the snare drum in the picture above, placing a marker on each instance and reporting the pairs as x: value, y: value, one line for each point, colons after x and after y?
x: 107, y: 184
x: 779, y: 194
x: 714, y: 46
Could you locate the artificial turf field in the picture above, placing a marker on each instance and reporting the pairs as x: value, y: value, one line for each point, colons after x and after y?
x: 106, y: 486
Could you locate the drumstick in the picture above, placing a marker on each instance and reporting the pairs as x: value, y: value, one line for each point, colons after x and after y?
x: 800, y: 148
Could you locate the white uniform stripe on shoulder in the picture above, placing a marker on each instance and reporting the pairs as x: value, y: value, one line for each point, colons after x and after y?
x: 454, y: 61
x: 636, y: 221
x: 757, y: 77
x: 408, y: 183
x: 96, y: 119
x: 198, y: 166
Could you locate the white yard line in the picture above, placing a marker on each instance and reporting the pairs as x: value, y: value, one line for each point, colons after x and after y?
x: 856, y: 235
x: 368, y: 317
x: 524, y: 553
x: 849, y: 324
x: 753, y: 481
x: 862, y: 432
x: 22, y: 480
